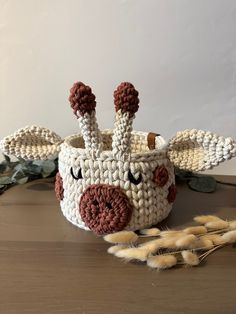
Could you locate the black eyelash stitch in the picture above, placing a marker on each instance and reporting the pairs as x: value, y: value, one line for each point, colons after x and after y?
x: 132, y: 178
x: 79, y: 175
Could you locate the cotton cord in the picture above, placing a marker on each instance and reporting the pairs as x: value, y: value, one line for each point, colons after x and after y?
x: 117, y: 179
x: 198, y: 150
x: 32, y: 143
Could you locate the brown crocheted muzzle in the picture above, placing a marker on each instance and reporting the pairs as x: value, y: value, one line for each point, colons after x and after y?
x: 105, y: 208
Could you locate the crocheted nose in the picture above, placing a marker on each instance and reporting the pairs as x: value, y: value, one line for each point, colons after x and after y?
x: 105, y: 208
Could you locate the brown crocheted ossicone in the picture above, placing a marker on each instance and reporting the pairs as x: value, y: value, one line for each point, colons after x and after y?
x: 126, y: 98
x: 161, y: 176
x: 172, y: 193
x: 59, y: 187
x: 82, y: 99
x: 105, y: 208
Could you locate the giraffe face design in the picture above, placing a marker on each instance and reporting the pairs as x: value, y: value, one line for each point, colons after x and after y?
x: 115, y: 180
x: 106, y: 194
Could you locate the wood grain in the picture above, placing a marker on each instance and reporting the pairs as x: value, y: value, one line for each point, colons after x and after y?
x: 48, y: 265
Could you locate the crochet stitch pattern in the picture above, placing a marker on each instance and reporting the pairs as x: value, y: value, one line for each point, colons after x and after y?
x: 82, y: 99
x: 83, y: 103
x: 118, y: 179
x: 172, y: 193
x: 105, y: 208
x: 126, y: 105
x: 32, y: 143
x: 59, y: 187
x: 143, y: 202
x: 160, y: 176
x: 126, y: 98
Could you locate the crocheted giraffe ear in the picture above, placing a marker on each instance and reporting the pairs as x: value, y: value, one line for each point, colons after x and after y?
x: 126, y: 105
x: 197, y: 150
x: 83, y: 103
x: 32, y: 143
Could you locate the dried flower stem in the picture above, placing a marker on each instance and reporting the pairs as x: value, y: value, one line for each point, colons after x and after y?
x: 204, y: 255
x: 175, y: 247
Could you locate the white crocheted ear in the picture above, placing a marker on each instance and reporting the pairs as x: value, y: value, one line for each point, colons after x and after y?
x: 126, y: 105
x: 32, y: 143
x: 83, y: 103
x: 197, y: 150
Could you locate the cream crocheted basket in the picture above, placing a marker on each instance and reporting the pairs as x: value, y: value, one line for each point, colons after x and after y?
x: 117, y: 179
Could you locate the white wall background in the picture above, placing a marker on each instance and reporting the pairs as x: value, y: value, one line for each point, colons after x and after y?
x: 180, y: 55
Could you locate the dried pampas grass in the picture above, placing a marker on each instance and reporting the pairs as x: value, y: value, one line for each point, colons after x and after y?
x: 115, y: 248
x: 196, y: 230
x: 152, y: 246
x: 188, y: 246
x: 229, y: 236
x: 133, y: 254
x: 218, y: 224
x: 150, y: 232
x: 203, y: 219
x: 121, y: 237
x: 155, y: 245
x: 204, y: 244
x: 170, y: 243
x: 162, y: 261
x: 232, y: 225
x: 212, y: 222
x: 187, y: 241
x: 190, y: 258
x: 216, y: 239
x: 172, y: 233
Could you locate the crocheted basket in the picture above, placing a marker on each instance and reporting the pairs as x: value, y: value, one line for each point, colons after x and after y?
x: 117, y: 179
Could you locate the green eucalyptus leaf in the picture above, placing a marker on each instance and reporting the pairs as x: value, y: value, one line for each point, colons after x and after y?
x: 7, y: 158
x: 38, y: 163
x: 13, y: 164
x: 3, y: 166
x: 183, y: 175
x: 32, y: 169
x: 19, y: 167
x: 22, y: 171
x: 205, y: 184
x: 21, y: 160
x: 48, y: 167
x: 22, y: 180
x: 6, y: 180
x: 19, y: 174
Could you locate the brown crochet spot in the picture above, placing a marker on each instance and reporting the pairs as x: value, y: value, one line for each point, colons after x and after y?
x: 59, y: 187
x: 105, y: 208
x: 172, y: 193
x: 82, y: 99
x: 161, y: 176
x: 126, y: 98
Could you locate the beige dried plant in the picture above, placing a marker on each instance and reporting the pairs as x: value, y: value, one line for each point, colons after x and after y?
x: 162, y: 261
x: 121, y: 237
x: 150, y: 232
x: 189, y: 246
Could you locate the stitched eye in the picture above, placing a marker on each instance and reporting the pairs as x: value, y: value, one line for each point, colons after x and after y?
x: 78, y: 176
x: 133, y: 180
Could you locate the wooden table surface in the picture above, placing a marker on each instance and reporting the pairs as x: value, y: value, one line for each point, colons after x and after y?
x: 47, y: 265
